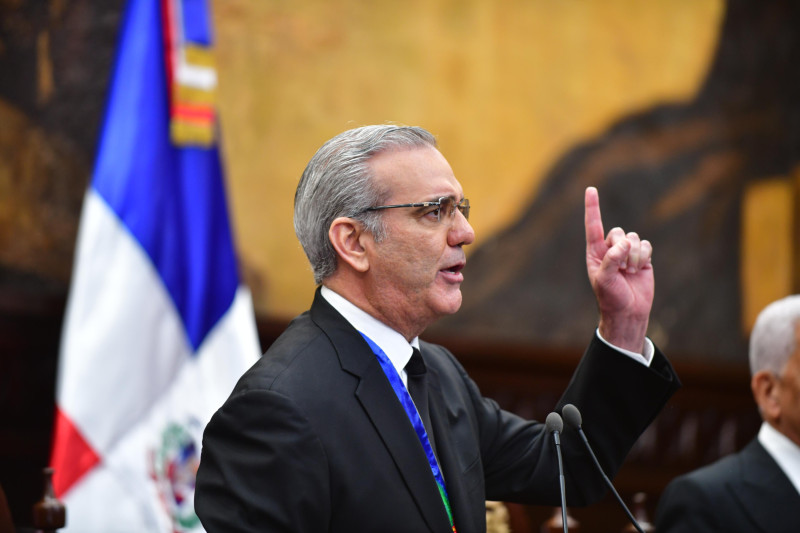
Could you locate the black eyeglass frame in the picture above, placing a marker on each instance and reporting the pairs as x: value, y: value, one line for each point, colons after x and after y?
x: 462, y: 205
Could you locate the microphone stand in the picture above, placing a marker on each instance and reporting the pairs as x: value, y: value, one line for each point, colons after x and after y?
x: 573, y: 417
x: 555, y: 425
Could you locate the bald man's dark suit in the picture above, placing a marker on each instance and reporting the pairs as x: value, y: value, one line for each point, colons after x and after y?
x: 313, y: 438
x: 745, y: 492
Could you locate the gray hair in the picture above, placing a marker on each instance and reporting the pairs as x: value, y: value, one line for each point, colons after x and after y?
x: 338, y: 182
x: 774, y: 336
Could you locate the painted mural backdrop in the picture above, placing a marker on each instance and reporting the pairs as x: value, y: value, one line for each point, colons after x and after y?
x: 679, y: 173
x: 682, y: 112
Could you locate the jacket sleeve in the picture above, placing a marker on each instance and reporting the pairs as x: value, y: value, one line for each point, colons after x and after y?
x: 261, y: 469
x: 618, y: 398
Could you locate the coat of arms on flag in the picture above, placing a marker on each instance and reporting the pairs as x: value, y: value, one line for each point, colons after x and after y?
x: 173, y: 467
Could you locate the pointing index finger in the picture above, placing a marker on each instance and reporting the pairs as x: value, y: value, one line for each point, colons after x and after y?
x: 595, y: 236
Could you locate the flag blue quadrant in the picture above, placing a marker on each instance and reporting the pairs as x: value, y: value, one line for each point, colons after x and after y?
x: 171, y: 198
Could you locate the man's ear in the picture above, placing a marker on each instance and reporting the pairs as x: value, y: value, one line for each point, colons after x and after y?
x: 347, y: 236
x: 765, y: 392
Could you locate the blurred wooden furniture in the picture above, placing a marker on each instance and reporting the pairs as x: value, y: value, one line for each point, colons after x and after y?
x: 555, y: 524
x: 49, y: 513
x: 498, y: 519
x: 639, y: 512
x: 30, y: 328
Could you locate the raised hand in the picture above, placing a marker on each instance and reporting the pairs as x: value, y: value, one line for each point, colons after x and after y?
x: 621, y: 273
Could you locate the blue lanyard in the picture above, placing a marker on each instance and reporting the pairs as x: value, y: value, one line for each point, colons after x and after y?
x: 413, y: 415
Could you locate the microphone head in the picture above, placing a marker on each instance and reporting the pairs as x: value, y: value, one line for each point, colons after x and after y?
x: 554, y: 423
x: 572, y: 416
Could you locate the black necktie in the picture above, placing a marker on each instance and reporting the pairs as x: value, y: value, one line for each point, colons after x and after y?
x: 417, y: 388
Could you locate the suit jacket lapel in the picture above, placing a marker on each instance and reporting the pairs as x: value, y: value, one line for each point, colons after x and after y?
x: 391, y: 421
x: 469, y: 516
x: 765, y: 488
x: 377, y: 398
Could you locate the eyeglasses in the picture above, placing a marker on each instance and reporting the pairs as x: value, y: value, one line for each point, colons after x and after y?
x: 445, y: 208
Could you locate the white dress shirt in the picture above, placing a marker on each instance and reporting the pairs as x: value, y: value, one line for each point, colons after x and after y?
x: 393, y: 344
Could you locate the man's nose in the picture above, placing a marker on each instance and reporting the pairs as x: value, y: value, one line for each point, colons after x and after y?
x: 461, y: 232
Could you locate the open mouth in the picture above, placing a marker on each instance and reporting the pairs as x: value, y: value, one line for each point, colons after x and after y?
x: 454, y: 269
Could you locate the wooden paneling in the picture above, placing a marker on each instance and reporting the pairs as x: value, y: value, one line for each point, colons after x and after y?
x: 712, y: 415
x: 30, y: 330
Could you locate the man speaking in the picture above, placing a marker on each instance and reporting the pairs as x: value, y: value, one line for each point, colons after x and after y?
x: 351, y: 422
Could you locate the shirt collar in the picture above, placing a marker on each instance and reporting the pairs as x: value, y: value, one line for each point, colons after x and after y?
x: 785, y: 452
x: 393, y: 344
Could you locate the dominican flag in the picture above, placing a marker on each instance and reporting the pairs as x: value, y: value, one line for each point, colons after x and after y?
x: 158, y: 327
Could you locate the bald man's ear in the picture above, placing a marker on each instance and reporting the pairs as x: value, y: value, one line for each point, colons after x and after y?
x: 347, y: 236
x: 765, y: 392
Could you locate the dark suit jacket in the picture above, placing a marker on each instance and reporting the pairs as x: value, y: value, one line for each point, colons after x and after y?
x: 313, y: 438
x: 744, y: 492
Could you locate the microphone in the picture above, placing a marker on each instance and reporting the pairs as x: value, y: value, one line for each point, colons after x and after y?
x: 573, y: 418
x: 555, y: 425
